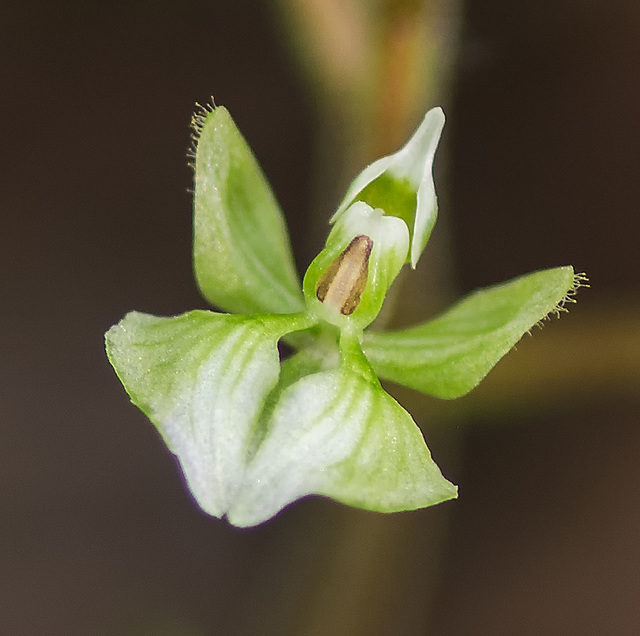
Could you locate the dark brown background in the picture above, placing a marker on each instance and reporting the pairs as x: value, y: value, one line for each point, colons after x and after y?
x: 97, y: 533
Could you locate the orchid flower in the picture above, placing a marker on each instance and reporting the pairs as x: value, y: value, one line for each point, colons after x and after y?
x: 252, y: 432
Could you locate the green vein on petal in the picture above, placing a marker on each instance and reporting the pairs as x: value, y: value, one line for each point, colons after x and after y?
x: 202, y: 378
x: 339, y: 434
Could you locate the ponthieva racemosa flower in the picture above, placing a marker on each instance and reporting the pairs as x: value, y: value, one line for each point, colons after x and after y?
x: 252, y: 433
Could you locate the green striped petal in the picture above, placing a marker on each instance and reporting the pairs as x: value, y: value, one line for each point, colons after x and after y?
x: 202, y: 378
x: 338, y: 433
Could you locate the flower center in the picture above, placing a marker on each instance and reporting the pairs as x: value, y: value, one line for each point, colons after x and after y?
x: 342, y: 283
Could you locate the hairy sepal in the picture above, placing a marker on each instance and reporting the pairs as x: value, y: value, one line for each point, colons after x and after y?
x: 241, y: 251
x: 449, y: 355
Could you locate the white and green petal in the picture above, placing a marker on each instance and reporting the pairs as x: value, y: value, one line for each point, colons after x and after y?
x: 202, y: 378
x: 402, y: 184
x: 448, y: 356
x: 339, y: 434
x: 241, y: 252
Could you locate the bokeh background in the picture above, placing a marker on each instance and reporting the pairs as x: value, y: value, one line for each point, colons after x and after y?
x: 539, y: 166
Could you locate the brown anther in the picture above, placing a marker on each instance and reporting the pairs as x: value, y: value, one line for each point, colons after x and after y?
x: 342, y: 283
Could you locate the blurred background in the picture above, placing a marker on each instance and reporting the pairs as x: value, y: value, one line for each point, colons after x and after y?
x: 538, y: 166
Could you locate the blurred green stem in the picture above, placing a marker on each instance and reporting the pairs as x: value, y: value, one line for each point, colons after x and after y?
x: 374, y: 67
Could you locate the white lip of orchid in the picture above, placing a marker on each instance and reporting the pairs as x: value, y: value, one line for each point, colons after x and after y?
x: 413, y: 162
